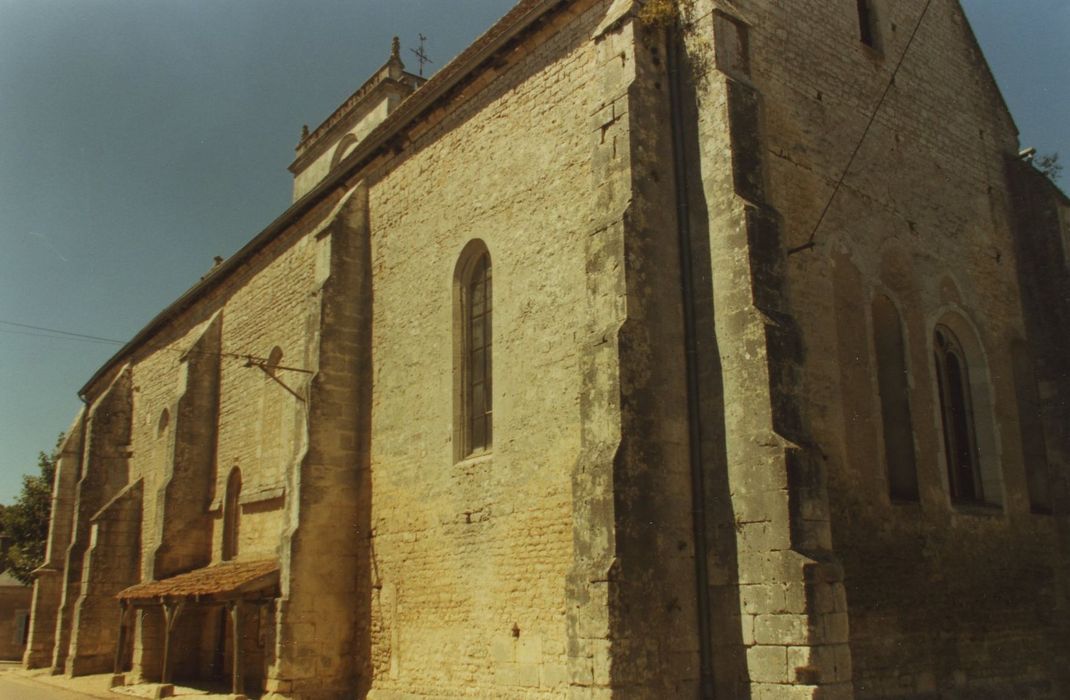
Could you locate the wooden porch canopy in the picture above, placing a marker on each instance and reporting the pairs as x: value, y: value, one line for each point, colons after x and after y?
x: 230, y: 584
x: 218, y: 583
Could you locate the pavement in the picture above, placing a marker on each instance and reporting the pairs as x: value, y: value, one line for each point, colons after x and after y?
x: 18, y: 683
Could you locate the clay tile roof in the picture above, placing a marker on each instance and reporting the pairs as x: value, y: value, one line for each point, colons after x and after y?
x: 231, y: 577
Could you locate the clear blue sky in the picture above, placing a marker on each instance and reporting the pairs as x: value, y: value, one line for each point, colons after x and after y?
x: 140, y: 138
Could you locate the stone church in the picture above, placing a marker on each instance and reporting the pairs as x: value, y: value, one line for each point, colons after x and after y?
x: 714, y: 349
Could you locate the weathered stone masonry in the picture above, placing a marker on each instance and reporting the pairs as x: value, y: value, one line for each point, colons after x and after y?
x: 684, y: 366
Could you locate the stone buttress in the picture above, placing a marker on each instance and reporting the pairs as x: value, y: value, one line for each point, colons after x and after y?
x: 322, y: 619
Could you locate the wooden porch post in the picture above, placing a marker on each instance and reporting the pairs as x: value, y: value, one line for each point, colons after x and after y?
x: 118, y: 668
x: 235, y: 621
x: 170, y: 616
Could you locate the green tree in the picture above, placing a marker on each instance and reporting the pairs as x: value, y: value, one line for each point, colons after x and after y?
x: 25, y: 522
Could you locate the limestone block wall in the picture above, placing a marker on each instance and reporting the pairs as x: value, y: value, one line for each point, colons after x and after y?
x: 184, y: 527
x: 158, y: 378
x: 652, y: 583
x: 260, y: 421
x: 232, y: 371
x: 175, y: 410
x: 940, y: 597
x: 771, y: 565
x: 321, y: 151
x: 322, y: 631
x: 48, y: 586
x: 364, y: 121
x: 562, y: 560
x: 111, y: 564
x: 1042, y: 244
x: 500, y: 575
x: 193, y: 404
x: 103, y: 474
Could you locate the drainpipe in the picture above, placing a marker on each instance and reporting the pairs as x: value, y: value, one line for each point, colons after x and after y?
x: 694, y: 418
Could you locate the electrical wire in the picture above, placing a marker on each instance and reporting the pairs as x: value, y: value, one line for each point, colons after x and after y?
x: 69, y: 334
x: 858, y: 147
x: 56, y: 334
x: 58, y: 337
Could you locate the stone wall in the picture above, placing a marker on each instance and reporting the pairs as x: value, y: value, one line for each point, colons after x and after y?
x: 48, y: 586
x: 103, y: 474
x: 323, y: 618
x: 14, y: 611
x: 199, y: 400
x: 1042, y: 245
x: 567, y: 560
x: 943, y: 598
x: 232, y: 373
x: 316, y: 170
x: 470, y: 556
x: 183, y: 525
x: 538, y: 568
x: 109, y: 566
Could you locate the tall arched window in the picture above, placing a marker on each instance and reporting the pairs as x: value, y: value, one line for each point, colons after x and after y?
x: 163, y: 422
x: 867, y: 23
x: 957, y: 417
x: 232, y: 515
x: 474, y: 350
x: 894, y: 391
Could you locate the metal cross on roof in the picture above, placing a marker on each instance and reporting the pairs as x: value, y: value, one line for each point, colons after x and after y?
x: 421, y: 55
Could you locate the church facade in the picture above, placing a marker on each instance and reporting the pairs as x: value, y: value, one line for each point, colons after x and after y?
x: 639, y: 353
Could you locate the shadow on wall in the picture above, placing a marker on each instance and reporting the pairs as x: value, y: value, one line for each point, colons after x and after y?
x: 729, y: 653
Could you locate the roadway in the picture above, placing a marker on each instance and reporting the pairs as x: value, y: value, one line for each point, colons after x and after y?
x: 13, y: 687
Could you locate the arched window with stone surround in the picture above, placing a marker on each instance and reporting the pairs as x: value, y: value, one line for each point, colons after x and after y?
x: 232, y: 515
x: 957, y: 417
x: 473, y: 345
x: 894, y: 391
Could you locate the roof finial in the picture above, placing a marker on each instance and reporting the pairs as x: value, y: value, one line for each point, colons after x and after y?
x: 304, y: 131
x: 395, y: 49
x: 421, y: 55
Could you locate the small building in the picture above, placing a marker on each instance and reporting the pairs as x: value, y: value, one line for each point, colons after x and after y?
x: 625, y: 357
x: 15, y: 599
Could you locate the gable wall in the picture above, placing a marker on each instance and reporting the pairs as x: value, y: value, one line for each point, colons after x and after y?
x: 941, y: 598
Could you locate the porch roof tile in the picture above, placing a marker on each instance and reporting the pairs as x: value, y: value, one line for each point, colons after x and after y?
x: 220, y: 579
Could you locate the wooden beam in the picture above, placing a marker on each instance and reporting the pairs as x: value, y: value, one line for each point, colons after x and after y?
x: 236, y: 647
x: 119, y: 645
x: 171, y: 610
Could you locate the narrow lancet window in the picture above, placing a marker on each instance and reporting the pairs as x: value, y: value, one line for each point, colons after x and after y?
x: 479, y: 388
x: 956, y: 411
x: 232, y: 515
x: 473, y: 335
x: 893, y: 385
x: 867, y: 27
